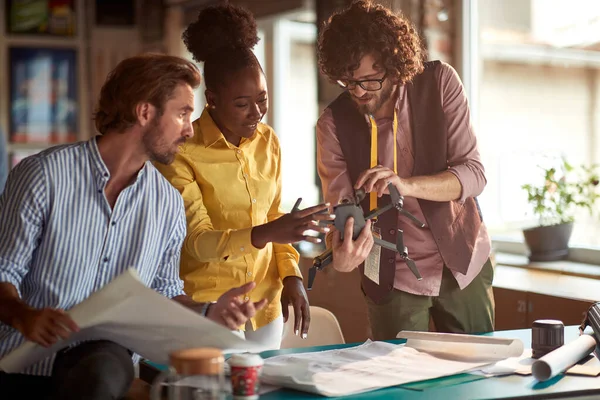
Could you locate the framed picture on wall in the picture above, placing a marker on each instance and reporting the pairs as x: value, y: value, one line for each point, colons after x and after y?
x: 43, y: 95
x: 41, y: 17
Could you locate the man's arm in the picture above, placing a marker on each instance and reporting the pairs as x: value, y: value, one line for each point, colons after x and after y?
x: 331, y: 164
x: 465, y: 176
x: 337, y: 186
x: 22, y: 213
x: 11, y: 304
x: 43, y: 327
x: 444, y: 186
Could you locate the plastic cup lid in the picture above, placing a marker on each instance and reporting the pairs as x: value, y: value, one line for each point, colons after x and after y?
x: 245, y: 360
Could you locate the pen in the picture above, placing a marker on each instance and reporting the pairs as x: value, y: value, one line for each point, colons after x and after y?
x: 297, y: 205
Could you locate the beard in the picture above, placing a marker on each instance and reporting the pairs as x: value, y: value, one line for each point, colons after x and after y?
x: 378, y: 100
x: 156, y: 147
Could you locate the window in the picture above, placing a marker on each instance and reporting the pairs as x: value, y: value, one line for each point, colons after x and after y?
x: 535, y: 94
x: 290, y: 59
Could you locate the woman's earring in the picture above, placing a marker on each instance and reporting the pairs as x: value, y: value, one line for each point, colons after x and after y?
x: 213, y: 107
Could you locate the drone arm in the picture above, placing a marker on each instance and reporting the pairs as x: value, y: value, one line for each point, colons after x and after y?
x: 319, y: 262
x: 323, y: 259
x: 414, y: 219
x: 384, y: 244
x: 378, y: 211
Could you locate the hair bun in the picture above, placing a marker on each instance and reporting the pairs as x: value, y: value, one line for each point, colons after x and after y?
x: 220, y: 28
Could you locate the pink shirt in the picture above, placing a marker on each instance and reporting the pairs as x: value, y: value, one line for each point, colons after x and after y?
x: 463, y: 161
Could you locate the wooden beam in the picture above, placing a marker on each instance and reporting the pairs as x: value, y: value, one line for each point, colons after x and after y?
x: 260, y: 8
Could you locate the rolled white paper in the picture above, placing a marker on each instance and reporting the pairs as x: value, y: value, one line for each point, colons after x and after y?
x: 561, y: 359
x: 463, y: 347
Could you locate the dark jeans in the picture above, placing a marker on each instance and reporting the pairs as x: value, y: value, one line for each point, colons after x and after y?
x: 98, y: 370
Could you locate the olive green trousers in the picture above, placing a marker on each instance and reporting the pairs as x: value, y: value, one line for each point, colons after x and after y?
x: 470, y: 310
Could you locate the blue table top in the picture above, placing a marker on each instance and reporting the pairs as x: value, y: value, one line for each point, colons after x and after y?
x: 514, y: 386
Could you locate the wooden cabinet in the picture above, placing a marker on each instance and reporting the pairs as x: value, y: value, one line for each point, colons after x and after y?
x: 518, y: 310
x: 511, y: 309
x: 524, y: 295
x: 569, y: 311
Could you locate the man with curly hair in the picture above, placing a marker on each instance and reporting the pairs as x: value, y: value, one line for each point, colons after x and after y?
x: 406, y: 122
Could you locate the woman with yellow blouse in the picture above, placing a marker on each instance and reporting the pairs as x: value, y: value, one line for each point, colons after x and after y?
x: 229, y: 175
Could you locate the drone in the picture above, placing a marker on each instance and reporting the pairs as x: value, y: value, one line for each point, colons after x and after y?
x: 353, y: 209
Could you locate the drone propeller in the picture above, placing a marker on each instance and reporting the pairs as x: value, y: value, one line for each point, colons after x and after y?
x: 413, y: 267
x: 403, y: 251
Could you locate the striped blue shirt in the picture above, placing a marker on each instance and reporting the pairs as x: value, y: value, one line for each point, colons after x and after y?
x: 60, y: 241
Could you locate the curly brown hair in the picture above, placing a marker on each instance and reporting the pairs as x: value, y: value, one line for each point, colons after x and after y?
x: 222, y: 37
x: 365, y: 28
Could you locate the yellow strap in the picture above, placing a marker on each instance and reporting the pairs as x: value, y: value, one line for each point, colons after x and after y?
x: 373, y: 195
x: 395, y: 143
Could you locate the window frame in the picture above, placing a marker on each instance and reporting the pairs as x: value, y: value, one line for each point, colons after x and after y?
x: 469, y: 65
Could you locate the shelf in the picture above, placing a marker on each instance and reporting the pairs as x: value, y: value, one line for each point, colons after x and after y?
x: 564, y: 267
x: 32, y: 146
x: 64, y: 42
x: 548, y: 283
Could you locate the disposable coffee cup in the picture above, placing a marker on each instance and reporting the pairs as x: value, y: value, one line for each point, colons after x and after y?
x: 245, y: 375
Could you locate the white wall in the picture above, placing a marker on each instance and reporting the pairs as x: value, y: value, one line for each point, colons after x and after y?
x: 512, y: 15
x: 527, y: 111
x: 298, y: 133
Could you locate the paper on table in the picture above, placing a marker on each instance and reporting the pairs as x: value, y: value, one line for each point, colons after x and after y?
x: 514, y: 365
x: 522, y: 366
x: 370, y: 366
x: 129, y: 313
x: 562, y: 358
x: 463, y: 347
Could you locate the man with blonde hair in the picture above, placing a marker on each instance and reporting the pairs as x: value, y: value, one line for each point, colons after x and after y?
x: 75, y: 216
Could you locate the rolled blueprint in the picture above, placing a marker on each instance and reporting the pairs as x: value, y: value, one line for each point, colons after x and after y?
x: 463, y: 347
x: 561, y: 359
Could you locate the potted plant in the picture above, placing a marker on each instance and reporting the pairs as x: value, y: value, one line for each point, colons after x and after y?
x: 563, y: 191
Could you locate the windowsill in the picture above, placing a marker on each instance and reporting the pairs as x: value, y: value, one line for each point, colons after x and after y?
x: 546, y: 282
x: 564, y: 267
x: 578, y: 256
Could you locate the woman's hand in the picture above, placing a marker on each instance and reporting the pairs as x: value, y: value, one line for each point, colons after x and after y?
x: 295, y: 295
x: 293, y: 227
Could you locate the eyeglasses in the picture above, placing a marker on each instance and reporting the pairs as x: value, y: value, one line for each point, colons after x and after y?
x: 370, y: 85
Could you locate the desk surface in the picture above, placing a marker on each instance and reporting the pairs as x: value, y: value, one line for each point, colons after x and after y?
x: 507, y: 387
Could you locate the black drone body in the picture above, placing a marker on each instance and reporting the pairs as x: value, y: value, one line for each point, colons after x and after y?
x: 353, y: 209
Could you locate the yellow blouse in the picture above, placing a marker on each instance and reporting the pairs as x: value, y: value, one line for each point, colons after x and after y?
x: 226, y: 191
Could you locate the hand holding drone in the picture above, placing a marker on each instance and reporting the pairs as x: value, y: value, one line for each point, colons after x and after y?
x: 353, y: 209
